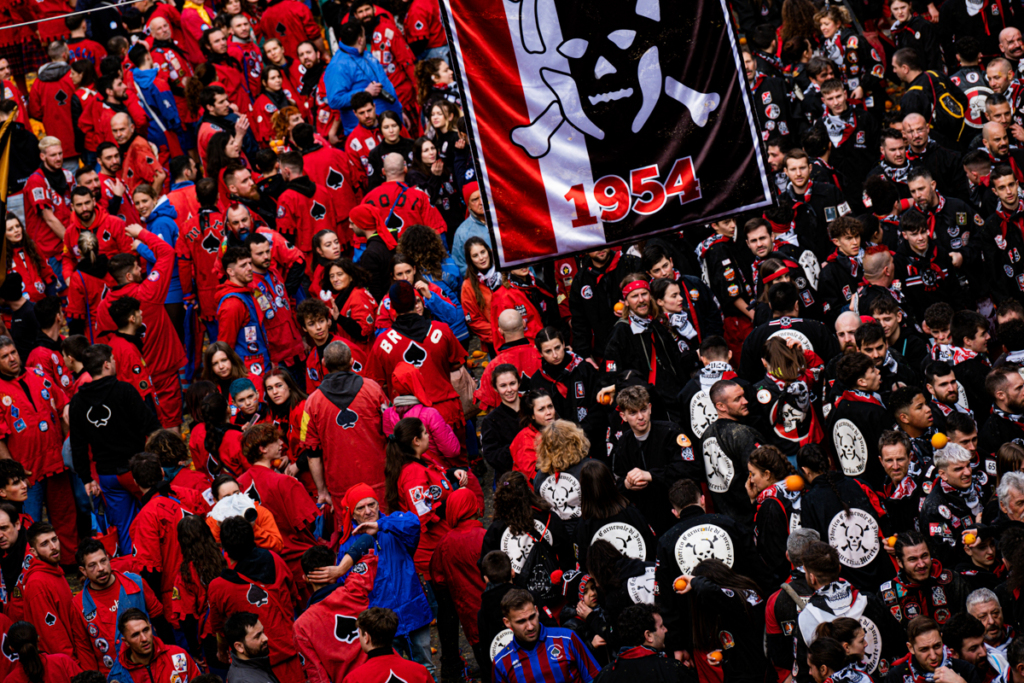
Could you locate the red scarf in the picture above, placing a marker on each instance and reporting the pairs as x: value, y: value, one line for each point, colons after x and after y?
x: 931, y: 213
x: 572, y: 365
x: 860, y: 397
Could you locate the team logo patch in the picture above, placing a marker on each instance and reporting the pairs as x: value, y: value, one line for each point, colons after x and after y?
x: 347, y: 418
x: 643, y: 588
x: 703, y: 542
x: 718, y: 467
x: 563, y: 493
x: 586, y: 292
x: 851, y: 447
x: 855, y: 537
x: 624, y: 537
x: 345, y: 629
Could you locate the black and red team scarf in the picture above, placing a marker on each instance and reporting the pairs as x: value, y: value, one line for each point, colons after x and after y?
x: 976, y: 8
x: 914, y: 272
x: 798, y: 395
x: 918, y: 676
x: 573, y: 363
x: 679, y: 323
x: 601, y: 272
x: 1008, y: 160
x: 839, y: 127
x: 916, y: 156
x: 1007, y: 218
x: 785, y: 233
x: 931, y: 213
x: 860, y: 397
x: 897, y: 174
x: 704, y: 246
x: 904, y: 489
x: 1015, y: 419
x: 970, y: 495
x: 821, y: 163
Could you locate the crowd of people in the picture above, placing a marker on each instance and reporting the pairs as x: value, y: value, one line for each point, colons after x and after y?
x: 260, y: 369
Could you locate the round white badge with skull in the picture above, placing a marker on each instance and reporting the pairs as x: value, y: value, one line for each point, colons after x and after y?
x: 563, y: 492
x: 641, y: 588
x: 873, y: 650
x: 855, y: 537
x: 717, y: 466
x: 702, y: 413
x: 518, y: 547
x: 499, y: 642
x: 703, y: 542
x: 624, y: 538
x: 851, y: 447
x: 796, y: 335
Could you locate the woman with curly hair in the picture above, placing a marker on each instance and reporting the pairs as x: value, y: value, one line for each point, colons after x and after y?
x: 798, y: 21
x: 426, y: 250
x: 434, y: 175
x: 170, y: 447
x: 561, y: 451
x: 202, y: 562
x: 436, y: 81
x: 521, y: 520
x: 283, y: 121
x: 536, y: 411
x: 778, y: 508
x: 352, y: 306
x: 788, y: 395
x: 482, y: 279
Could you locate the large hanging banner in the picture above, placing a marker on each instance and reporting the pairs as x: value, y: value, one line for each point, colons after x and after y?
x: 596, y: 123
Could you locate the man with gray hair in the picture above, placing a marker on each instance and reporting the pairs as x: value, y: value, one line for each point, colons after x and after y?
x: 953, y: 507
x: 785, y: 605
x: 341, y: 430
x: 1011, y: 495
x: 984, y: 606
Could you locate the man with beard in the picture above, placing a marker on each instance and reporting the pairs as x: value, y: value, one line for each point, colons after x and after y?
x: 387, y: 44
x: 894, y: 165
x: 852, y: 130
x: 14, y: 550
x: 924, y: 267
x: 140, y: 158
x: 1005, y: 232
x: 49, y: 605
x: 821, y: 202
x: 115, y: 101
x: 1006, y: 423
x: 650, y: 457
x: 781, y: 609
x: 242, y: 190
x: 724, y: 274
x: 595, y: 289
x: 846, y: 327
x: 984, y: 606
x: 218, y: 117
x: 329, y: 169
x: 903, y: 492
x: 895, y: 371
x: 109, y: 230
x: 352, y: 70
x: 996, y: 139
x: 214, y: 44
x: 726, y: 446
x: 965, y: 637
x: 857, y: 419
x: 835, y: 597
x: 143, y: 654
x: 283, y: 334
x: 312, y: 67
x: 715, y: 357
x: 363, y: 138
x: 304, y: 208
x: 639, y: 343
x: 944, y: 390
x: 922, y: 586
x: 47, y: 198
x: 777, y: 147
x: 953, y: 507
x: 942, y: 163
x: 842, y: 272
x: 771, y: 99
x: 169, y: 57
x: 111, y: 192
x: 240, y: 321
x: 106, y: 595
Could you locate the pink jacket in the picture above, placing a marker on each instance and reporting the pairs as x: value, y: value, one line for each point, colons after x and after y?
x: 444, y: 445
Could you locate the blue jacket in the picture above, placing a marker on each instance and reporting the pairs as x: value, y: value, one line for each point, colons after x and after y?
x: 397, y: 586
x: 159, y: 105
x: 471, y: 227
x: 350, y: 72
x: 162, y: 223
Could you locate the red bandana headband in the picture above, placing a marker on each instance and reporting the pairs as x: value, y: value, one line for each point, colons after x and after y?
x: 635, y: 285
x: 777, y: 274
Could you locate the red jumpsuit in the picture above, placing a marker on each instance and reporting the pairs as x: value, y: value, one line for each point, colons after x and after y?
x: 33, y: 282
x: 131, y: 365
x: 40, y: 195
x: 198, y: 252
x: 334, y: 610
x: 229, y: 458
x: 161, y: 347
x: 237, y: 326
x: 91, y: 102
x: 85, y: 294
x: 103, y: 114
x: 330, y: 168
x: 56, y: 669
x: 49, y: 102
x: 389, y: 48
x: 304, y: 209
x: 290, y: 22
x: 50, y: 607
x: 49, y: 358
x: 279, y: 319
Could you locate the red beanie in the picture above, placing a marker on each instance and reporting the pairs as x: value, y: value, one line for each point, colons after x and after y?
x: 468, y: 189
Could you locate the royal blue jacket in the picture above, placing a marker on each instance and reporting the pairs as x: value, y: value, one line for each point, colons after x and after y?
x: 162, y: 223
x: 350, y: 72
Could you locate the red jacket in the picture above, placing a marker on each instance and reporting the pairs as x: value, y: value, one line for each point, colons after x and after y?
x: 235, y: 319
x: 229, y: 458
x: 85, y: 294
x: 8, y: 661
x: 131, y: 366
x: 272, y: 601
x: 360, y: 306
x: 263, y: 110
x: 293, y: 510
x: 110, y: 235
x: 381, y: 665
x: 278, y: 317
x: 48, y: 356
x: 103, y: 113
x: 162, y: 55
x: 13, y: 92
x: 329, y: 167
x: 170, y: 664
x: 101, y: 623
x: 508, y: 297
x: 139, y: 164
x: 304, y: 209
x: 33, y: 283
x: 234, y: 82
x: 49, y: 102
x: 56, y: 669
x: 290, y: 22
x: 315, y: 372
x: 388, y: 47
x: 522, y: 354
x: 343, y: 419
x: 192, y: 479
x: 154, y: 533
x: 198, y: 252
x: 192, y: 27
x: 423, y: 488
x: 358, y: 145
x: 411, y: 207
x: 160, y: 346
x: 423, y: 23
x: 40, y: 195
x: 83, y: 48
x: 31, y: 424
x: 50, y: 607
x: 250, y: 57
x: 184, y: 201
x: 454, y: 564
x: 50, y: 30
x: 125, y: 210
x: 334, y: 610
x: 91, y: 102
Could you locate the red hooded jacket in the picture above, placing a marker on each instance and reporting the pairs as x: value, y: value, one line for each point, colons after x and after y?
x: 304, y: 209
x: 170, y: 664
x: 39, y: 195
x: 131, y: 366
x: 49, y: 102
x: 329, y: 168
x: 30, y: 412
x: 110, y: 235
x: 290, y: 22
x: 50, y: 607
x: 101, y: 624
x: 384, y: 665
x: 411, y: 207
x: 454, y: 562
x: 198, y: 252
x: 522, y: 354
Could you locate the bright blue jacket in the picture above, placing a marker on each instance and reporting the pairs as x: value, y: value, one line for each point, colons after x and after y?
x: 397, y: 586
x: 159, y: 105
x: 350, y: 72
x: 162, y: 223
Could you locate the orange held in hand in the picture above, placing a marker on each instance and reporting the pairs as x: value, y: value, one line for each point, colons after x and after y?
x: 891, y: 541
x: 939, y: 440
x: 606, y: 400
x: 715, y: 656
x: 969, y: 539
x: 680, y: 584
x: 619, y: 307
x: 794, y: 482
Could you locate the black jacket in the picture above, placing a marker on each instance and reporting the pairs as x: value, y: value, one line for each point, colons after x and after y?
x: 940, y: 596
x: 489, y: 620
x: 838, y: 283
x: 903, y: 504
x: 628, y: 531
x: 852, y: 430
x: 110, y: 418
x: 498, y: 430
x: 668, y: 454
x: 945, y: 536
x: 376, y: 259
x: 1003, y: 244
x: 782, y: 640
x: 923, y: 36
x: 945, y: 167
x: 997, y: 430
x: 810, y: 333
x: 592, y: 299
x: 581, y: 382
x: 724, y: 274
x: 902, y: 672
x: 955, y: 23
x: 971, y: 376
x: 773, y: 106
x: 627, y: 350
x: 819, y: 205
x: 640, y: 664
x: 927, y: 278
x: 725, y: 449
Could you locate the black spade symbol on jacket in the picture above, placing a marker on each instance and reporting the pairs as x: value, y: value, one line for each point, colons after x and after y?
x: 253, y: 493
x: 393, y: 678
x: 347, y: 418
x: 257, y: 596
x: 394, y: 221
x: 318, y: 210
x: 414, y: 355
x: 211, y: 244
x: 345, y: 628
x: 334, y: 179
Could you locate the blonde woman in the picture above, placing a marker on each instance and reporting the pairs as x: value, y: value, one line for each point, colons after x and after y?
x: 561, y: 451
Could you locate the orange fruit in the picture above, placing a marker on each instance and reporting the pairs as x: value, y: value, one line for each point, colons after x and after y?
x: 794, y: 482
x: 715, y: 656
x: 606, y: 400
x: 891, y: 541
x: 939, y: 440
x: 619, y: 307
x: 969, y: 539
x: 680, y: 584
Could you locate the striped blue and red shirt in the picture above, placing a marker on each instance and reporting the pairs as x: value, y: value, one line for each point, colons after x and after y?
x: 559, y: 656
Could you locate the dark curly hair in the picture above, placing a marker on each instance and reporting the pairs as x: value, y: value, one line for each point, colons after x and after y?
x: 423, y: 248
x: 514, y: 503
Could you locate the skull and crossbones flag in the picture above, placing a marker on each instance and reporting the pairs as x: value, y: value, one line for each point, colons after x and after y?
x: 595, y: 124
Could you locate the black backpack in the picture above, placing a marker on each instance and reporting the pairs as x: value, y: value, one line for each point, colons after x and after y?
x: 538, y: 567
